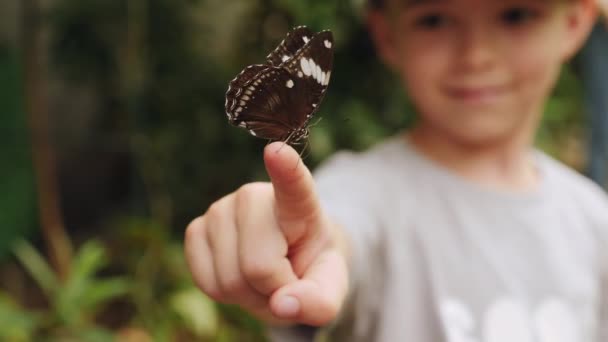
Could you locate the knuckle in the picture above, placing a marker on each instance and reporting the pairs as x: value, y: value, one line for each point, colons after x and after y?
x: 250, y: 192
x: 233, y: 287
x: 256, y: 269
x: 195, y: 229
x: 217, y: 216
x: 216, y: 210
x: 216, y: 295
x: 208, y: 288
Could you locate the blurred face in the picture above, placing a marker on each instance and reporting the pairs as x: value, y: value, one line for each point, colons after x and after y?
x: 480, y: 70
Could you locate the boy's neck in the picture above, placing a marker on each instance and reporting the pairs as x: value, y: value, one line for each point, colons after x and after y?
x: 503, y: 165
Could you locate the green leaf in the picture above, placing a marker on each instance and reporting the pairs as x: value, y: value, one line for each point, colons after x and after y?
x: 91, y: 257
x: 16, y: 323
x: 37, y: 267
x: 101, y: 291
x: 75, y: 299
x: 197, y: 311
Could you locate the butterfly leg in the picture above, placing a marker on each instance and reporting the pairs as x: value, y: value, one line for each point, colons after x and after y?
x: 286, y: 141
x: 306, y: 149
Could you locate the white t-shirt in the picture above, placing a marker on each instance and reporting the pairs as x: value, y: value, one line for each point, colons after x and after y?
x: 439, y: 258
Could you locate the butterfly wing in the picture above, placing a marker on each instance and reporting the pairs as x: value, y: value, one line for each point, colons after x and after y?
x: 267, y: 103
x: 312, y: 67
x: 295, y: 40
x: 277, y: 102
x: 235, y: 88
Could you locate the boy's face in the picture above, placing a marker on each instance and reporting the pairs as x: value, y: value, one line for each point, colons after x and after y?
x: 480, y: 70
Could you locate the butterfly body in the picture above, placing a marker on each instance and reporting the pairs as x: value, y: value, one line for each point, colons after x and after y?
x: 277, y: 99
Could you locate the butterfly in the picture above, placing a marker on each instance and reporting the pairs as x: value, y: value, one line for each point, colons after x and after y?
x: 277, y: 99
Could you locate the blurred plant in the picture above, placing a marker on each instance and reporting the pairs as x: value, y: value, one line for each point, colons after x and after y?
x: 17, y: 323
x: 166, y: 303
x: 74, y: 303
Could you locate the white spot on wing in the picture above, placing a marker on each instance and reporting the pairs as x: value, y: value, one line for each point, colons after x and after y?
x: 327, y: 76
x: 327, y: 44
x: 289, y: 84
x: 306, y: 68
x: 300, y: 74
x: 313, y: 68
x: 252, y: 133
x: 305, y: 39
x: 318, y: 73
x: 285, y: 57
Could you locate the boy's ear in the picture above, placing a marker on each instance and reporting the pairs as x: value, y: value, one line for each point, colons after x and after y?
x: 382, y: 36
x: 581, y: 16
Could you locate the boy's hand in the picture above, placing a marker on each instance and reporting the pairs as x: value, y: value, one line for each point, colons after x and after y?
x: 269, y: 248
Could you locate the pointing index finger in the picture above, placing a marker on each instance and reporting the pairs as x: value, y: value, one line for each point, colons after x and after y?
x: 292, y: 182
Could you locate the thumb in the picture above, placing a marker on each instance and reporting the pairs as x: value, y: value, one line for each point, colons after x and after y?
x: 293, y: 185
x: 317, y: 298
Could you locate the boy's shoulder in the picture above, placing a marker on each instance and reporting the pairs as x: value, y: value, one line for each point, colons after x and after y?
x: 572, y: 181
x: 576, y: 189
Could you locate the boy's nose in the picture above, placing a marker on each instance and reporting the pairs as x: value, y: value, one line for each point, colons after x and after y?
x: 476, y: 48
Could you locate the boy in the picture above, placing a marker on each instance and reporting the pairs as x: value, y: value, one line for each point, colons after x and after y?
x: 455, y: 231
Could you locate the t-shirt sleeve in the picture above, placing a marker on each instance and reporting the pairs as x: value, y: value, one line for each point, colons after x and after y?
x: 600, y: 214
x: 603, y: 324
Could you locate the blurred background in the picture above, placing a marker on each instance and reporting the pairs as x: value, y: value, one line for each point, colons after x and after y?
x: 113, y: 136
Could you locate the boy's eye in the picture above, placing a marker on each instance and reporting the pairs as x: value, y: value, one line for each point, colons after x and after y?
x: 431, y: 21
x: 517, y: 15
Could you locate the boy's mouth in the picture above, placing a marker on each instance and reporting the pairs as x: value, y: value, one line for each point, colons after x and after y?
x: 477, y: 95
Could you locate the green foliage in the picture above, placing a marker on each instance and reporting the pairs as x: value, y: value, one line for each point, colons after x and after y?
x: 74, y: 302
x: 563, y: 114
x: 166, y: 302
x: 16, y: 323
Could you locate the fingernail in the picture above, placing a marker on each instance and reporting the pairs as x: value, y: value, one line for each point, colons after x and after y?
x: 288, y: 306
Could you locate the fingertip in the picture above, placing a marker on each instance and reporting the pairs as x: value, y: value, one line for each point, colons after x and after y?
x: 285, y: 307
x: 281, y: 162
x: 275, y: 147
x: 304, y: 302
x: 277, y: 154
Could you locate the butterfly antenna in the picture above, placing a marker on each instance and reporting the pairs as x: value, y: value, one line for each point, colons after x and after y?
x: 315, y: 123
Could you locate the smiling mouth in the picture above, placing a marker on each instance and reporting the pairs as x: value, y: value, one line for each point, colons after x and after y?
x: 477, y: 94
